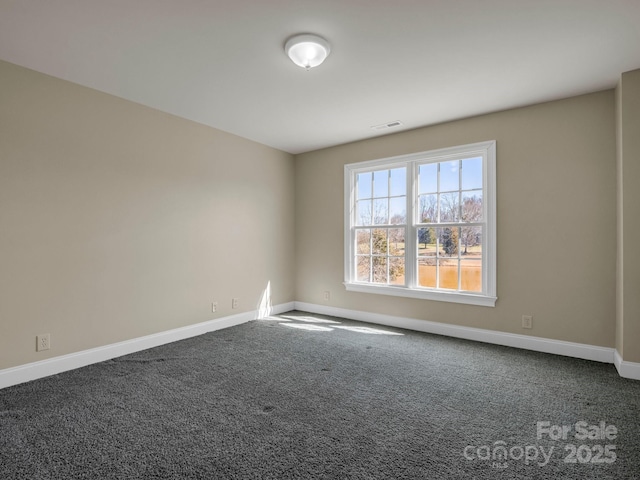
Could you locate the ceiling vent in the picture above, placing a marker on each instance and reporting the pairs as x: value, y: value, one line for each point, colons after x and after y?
x: 386, y: 126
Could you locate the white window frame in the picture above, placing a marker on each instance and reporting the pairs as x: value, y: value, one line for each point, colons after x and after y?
x: 486, y: 150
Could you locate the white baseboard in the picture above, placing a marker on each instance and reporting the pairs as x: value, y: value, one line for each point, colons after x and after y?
x: 52, y: 366
x: 545, y: 345
x: 626, y: 369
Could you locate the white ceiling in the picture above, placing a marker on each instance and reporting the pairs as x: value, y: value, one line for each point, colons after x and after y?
x: 221, y: 62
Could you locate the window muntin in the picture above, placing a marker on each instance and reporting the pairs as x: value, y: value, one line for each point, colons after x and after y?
x: 423, y: 225
x: 450, y: 224
x: 380, y: 226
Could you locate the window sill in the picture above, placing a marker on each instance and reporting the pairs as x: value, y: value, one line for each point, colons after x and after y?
x: 452, y: 297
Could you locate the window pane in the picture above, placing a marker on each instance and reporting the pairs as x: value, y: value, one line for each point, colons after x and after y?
x: 396, y: 242
x: 472, y: 206
x: 427, y: 272
x: 471, y: 275
x: 471, y: 242
x: 380, y: 243
x: 381, y: 183
x: 428, y: 208
x: 398, y: 210
x: 364, y: 269
x: 396, y: 271
x: 379, y: 265
x: 437, y: 198
x: 398, y: 181
x: 449, y: 176
x: 448, y: 273
x: 381, y: 211
x: 363, y: 239
x: 364, y: 185
x: 472, y: 173
x: 449, y: 207
x: 427, y: 241
x: 428, y: 176
x: 363, y: 212
x: 448, y: 241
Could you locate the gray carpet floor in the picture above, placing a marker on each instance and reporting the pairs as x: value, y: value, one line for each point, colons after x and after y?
x: 309, y: 396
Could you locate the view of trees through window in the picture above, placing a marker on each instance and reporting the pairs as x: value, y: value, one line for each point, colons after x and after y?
x: 381, y: 203
x: 448, y: 227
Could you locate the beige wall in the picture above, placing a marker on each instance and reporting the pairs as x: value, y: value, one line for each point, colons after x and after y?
x: 619, y: 230
x: 556, y: 191
x: 628, y: 301
x: 119, y: 221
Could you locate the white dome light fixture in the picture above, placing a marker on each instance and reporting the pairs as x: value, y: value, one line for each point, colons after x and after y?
x: 307, y: 50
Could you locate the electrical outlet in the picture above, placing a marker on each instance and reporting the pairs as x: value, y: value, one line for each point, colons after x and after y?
x: 527, y: 321
x: 43, y: 342
x: 327, y: 295
x: 235, y: 302
x: 214, y: 307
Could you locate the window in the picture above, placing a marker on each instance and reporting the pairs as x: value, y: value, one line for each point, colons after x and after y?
x: 423, y: 225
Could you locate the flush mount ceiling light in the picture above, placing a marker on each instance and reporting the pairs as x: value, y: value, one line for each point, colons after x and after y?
x: 307, y: 50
